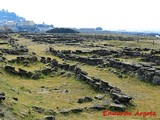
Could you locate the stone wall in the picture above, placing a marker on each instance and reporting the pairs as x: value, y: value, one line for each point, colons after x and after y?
x: 146, y: 74
x: 68, y: 56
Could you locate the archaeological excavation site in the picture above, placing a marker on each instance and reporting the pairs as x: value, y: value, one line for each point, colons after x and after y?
x: 79, y: 76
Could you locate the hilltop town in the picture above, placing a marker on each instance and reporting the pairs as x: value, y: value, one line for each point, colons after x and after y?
x: 16, y: 23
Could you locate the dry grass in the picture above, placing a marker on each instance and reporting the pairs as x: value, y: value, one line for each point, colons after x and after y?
x: 134, y: 44
x: 145, y: 95
x: 29, y: 92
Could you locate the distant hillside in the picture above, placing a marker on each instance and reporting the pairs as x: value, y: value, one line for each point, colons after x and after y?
x: 5, y: 29
x: 62, y: 30
x: 10, y: 16
x: 12, y: 21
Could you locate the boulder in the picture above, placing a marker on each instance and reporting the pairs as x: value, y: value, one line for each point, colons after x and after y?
x: 76, y: 110
x: 49, y: 111
x: 64, y: 111
x: 26, y: 62
x: 33, y: 58
x: 43, y: 60
x: 116, y: 101
x: 117, y: 107
x: 98, y: 107
x: 107, y: 102
x: 22, y: 72
x: 29, y: 74
x: 68, y: 75
x: 48, y: 60
x: 121, y: 97
x: 10, y: 69
x: 49, y: 117
x: 156, y: 80
x: 64, y: 66
x: 54, y: 63
x: 36, y: 76
x: 148, y: 77
x: 85, y: 99
x: 46, y: 71
x: 99, y: 97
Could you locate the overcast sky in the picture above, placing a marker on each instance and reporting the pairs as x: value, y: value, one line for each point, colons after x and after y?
x: 109, y: 14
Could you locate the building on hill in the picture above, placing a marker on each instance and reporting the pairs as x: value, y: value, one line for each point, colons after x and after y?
x: 16, y: 23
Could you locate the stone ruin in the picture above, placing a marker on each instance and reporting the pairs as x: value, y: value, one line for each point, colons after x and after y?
x: 146, y: 74
x: 143, y: 72
x: 95, y: 83
x: 24, y: 58
x: 15, y: 51
x: 68, y: 56
x: 54, y: 38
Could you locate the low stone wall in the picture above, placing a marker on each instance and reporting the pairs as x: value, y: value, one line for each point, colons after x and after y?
x: 152, y: 58
x: 147, y: 74
x: 67, y: 55
x: 21, y: 72
x: 22, y: 58
x: 4, y: 35
x: 95, y: 83
x: 102, y: 86
x: 16, y: 48
x: 122, y: 65
x: 54, y: 38
x: 16, y: 51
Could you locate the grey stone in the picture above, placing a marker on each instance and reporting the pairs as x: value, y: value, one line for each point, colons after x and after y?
x: 85, y: 99
x: 68, y: 75
x: 26, y: 63
x: 76, y: 110
x: 36, y: 76
x: 121, y: 97
x: 46, y: 70
x: 10, y: 69
x: 156, y: 80
x: 49, y: 112
x: 116, y: 101
x: 64, y: 111
x: 98, y: 107
x: 62, y: 73
x: 117, y: 107
x: 99, y: 97
x: 49, y: 117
